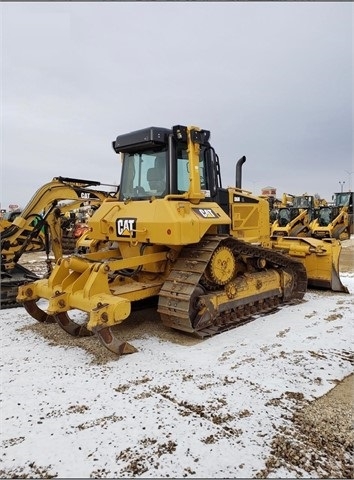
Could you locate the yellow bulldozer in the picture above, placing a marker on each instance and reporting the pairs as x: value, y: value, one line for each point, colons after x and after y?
x: 174, y: 235
x: 38, y: 227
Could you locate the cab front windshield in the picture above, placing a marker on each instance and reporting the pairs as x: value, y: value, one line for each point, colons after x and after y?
x: 144, y: 174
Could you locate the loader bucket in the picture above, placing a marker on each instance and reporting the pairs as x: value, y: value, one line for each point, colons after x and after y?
x: 320, y: 258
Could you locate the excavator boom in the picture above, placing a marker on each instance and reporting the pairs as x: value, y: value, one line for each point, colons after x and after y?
x: 37, y: 228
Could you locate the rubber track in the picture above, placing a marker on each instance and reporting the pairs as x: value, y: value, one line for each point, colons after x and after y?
x: 10, y: 281
x: 180, y: 288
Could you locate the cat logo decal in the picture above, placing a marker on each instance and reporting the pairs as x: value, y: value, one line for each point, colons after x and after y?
x: 126, y: 227
x: 205, y: 212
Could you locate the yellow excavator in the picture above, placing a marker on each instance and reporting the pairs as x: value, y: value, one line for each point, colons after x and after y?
x: 37, y: 242
x: 203, y: 252
x: 7, y: 218
x: 335, y: 220
x: 38, y: 228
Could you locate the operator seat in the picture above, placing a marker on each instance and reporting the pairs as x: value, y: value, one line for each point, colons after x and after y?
x: 156, y: 180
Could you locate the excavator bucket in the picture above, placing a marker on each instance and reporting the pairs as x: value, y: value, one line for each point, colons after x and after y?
x: 320, y: 258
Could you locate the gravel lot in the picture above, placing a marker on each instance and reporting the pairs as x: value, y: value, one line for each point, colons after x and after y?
x: 320, y: 437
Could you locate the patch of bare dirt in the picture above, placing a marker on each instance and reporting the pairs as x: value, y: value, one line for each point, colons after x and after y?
x: 320, y: 440
x: 35, y: 472
x: 139, y: 324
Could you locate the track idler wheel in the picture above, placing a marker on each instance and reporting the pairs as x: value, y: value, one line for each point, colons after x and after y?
x: 107, y: 338
x: 71, y: 327
x: 33, y: 309
x: 222, y: 266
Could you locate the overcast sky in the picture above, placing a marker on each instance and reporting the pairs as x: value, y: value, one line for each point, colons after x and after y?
x: 272, y: 81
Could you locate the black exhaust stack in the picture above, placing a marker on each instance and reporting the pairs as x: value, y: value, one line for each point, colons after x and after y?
x: 239, y: 172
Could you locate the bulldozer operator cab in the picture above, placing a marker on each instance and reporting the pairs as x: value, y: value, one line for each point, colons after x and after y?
x: 157, y: 163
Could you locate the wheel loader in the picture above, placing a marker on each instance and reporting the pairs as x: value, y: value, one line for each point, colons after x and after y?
x: 38, y: 228
x: 335, y: 221
x: 175, y: 236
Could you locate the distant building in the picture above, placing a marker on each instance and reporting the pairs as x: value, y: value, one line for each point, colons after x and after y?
x: 269, y: 191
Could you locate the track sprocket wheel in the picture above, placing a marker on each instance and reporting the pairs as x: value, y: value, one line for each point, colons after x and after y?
x: 222, y: 266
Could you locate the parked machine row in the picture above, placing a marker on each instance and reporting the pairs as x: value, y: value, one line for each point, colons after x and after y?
x: 307, y: 216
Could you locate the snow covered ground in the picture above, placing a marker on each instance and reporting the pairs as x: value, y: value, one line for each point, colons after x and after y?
x: 205, y: 410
